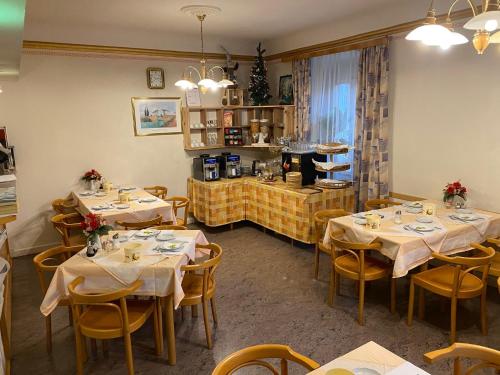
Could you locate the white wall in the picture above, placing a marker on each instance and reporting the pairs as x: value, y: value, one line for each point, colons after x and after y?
x: 67, y: 114
x: 445, y: 121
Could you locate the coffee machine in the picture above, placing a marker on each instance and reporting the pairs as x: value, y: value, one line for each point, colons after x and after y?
x: 301, y: 161
x: 229, y: 165
x: 206, y: 168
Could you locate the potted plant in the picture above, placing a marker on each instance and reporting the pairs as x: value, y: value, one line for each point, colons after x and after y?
x: 93, y: 227
x: 452, y: 191
x: 92, y: 177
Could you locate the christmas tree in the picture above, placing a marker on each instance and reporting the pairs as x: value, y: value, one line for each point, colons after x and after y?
x: 258, y: 87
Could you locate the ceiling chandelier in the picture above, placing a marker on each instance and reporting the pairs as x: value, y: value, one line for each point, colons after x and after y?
x: 444, y: 36
x: 205, y: 76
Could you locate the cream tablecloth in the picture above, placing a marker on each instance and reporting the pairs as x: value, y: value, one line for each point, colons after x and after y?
x: 374, y: 357
x: 160, y: 279
x: 138, y: 211
x: 411, y: 249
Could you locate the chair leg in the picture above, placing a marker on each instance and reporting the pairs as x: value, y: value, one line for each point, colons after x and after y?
x: 182, y: 313
x: 337, y: 284
x: 421, y: 303
x: 361, y: 302
x: 70, y: 316
x: 194, y: 311
x: 93, y: 347
x: 128, y: 353
x: 157, y: 330
x: 316, y: 262
x: 331, y: 289
x: 214, y: 311
x: 105, y: 348
x: 207, y: 326
x: 393, y: 294
x: 453, y: 330
x: 48, y: 333
x: 80, y: 358
x: 411, y: 301
x: 484, y: 313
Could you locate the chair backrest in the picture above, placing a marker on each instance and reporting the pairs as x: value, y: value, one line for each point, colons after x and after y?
x: 465, y: 265
x: 103, y: 300
x: 64, y: 223
x: 47, y: 261
x: 207, y: 266
x: 63, y: 206
x: 375, y: 204
x: 170, y: 227
x: 321, y: 219
x: 489, y: 358
x: 157, y: 190
x: 177, y: 203
x: 495, y: 262
x: 140, y: 224
x: 257, y: 356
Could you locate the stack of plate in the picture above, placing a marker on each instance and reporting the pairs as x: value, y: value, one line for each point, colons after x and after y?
x: 294, y: 180
x: 327, y: 183
x: 332, y: 148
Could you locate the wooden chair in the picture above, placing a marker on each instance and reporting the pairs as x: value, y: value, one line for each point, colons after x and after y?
x: 360, y: 267
x: 157, y: 190
x: 179, y: 202
x: 256, y: 356
x: 490, y: 358
x: 495, y: 262
x: 140, y: 224
x: 169, y: 227
x: 64, y: 206
x: 455, y: 281
x: 110, y: 315
x: 321, y: 219
x: 199, y: 288
x: 47, y: 262
x: 68, y: 226
x: 375, y: 204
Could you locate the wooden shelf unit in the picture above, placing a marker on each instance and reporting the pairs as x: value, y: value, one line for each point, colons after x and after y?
x: 281, y: 123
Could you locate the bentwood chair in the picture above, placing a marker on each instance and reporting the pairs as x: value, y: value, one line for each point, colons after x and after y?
x: 495, y: 262
x: 489, y: 358
x: 455, y: 281
x: 178, y: 203
x: 47, y: 262
x: 109, y: 316
x: 64, y: 206
x: 256, y: 356
x: 157, y: 190
x: 375, y: 204
x: 356, y: 265
x: 321, y: 219
x: 169, y: 227
x: 69, y: 227
x: 140, y: 224
x: 199, y: 288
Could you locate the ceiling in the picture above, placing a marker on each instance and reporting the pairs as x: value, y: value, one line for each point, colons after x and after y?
x: 245, y: 19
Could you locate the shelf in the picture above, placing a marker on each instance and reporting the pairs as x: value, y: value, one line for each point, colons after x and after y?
x: 209, y: 128
x: 230, y: 146
x: 213, y: 147
x: 338, y: 168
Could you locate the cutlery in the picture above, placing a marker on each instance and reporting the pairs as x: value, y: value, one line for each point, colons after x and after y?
x: 408, y: 228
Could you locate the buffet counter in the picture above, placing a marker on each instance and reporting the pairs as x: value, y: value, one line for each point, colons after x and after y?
x: 273, y: 206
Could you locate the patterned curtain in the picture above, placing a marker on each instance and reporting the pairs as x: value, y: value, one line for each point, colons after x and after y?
x: 371, y: 156
x: 302, y: 94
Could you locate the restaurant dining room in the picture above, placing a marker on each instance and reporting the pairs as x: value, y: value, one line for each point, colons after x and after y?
x: 250, y: 187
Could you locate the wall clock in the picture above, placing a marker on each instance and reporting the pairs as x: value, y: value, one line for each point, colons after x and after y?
x: 156, y: 78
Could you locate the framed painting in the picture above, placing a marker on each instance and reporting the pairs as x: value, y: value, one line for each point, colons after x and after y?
x: 286, y: 90
x: 156, y: 116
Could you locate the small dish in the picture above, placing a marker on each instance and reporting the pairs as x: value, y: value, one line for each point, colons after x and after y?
x: 122, y: 206
x: 424, y: 219
x: 463, y: 211
x: 421, y: 227
x: 414, y: 210
x: 170, y: 246
x: 127, y: 188
x: 86, y: 193
x: 147, y: 233
x: 413, y: 205
x: 165, y: 237
x: 100, y: 194
x: 468, y: 217
x: 362, y: 215
x: 147, y: 200
x: 360, y: 221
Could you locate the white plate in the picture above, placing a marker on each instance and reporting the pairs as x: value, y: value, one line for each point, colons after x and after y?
x: 360, y: 221
x: 100, y: 194
x: 413, y: 205
x: 463, y: 211
x: 165, y: 237
x: 365, y: 371
x: 127, y: 188
x: 101, y: 207
x: 362, y: 215
x: 425, y: 219
x: 421, y: 227
x: 171, y: 246
x: 147, y: 200
x: 147, y: 232
x: 413, y: 210
x: 468, y: 217
x: 122, y: 206
x: 86, y: 193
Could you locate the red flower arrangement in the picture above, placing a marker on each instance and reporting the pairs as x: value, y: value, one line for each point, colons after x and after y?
x: 94, y: 224
x: 91, y: 175
x: 454, y: 189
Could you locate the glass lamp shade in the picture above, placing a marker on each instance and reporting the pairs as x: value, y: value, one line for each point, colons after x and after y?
x: 452, y: 39
x: 489, y: 21
x: 225, y: 83
x: 208, y: 83
x: 185, y: 84
x: 428, y: 33
x: 495, y: 38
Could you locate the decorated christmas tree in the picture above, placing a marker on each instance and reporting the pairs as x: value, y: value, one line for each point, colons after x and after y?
x: 258, y: 87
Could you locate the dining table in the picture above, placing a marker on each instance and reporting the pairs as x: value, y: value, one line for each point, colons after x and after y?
x: 411, y: 242
x: 370, y: 358
x: 142, y: 206
x: 162, y: 254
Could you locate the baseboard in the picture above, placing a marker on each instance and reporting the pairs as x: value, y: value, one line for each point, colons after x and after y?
x: 32, y: 250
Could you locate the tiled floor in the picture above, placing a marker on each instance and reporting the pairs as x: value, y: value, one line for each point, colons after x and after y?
x: 266, y: 294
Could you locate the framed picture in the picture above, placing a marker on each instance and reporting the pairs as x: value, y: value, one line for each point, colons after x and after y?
x: 156, y: 78
x: 286, y: 89
x: 155, y: 116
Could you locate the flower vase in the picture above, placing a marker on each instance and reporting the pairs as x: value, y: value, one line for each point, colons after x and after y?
x: 93, y: 244
x: 448, y: 203
x: 93, y: 185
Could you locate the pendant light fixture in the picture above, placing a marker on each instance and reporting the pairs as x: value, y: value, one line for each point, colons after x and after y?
x: 445, y: 36
x: 206, y: 76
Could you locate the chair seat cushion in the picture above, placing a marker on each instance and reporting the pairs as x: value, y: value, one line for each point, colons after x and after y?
x: 439, y: 280
x: 192, y: 285
x: 374, y: 268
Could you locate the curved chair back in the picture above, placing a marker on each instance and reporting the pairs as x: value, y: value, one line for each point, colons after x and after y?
x: 63, y: 206
x: 321, y: 219
x: 169, y: 227
x: 256, y: 356
x: 178, y: 203
x: 65, y: 223
x: 47, y: 261
x: 140, y: 224
x: 465, y: 265
x: 208, y: 266
x: 375, y: 204
x: 495, y: 262
x: 489, y: 358
x: 157, y: 190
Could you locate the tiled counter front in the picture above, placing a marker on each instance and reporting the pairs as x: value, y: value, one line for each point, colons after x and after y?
x: 285, y: 211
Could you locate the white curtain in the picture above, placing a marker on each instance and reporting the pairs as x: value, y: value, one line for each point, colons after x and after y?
x: 334, y: 82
